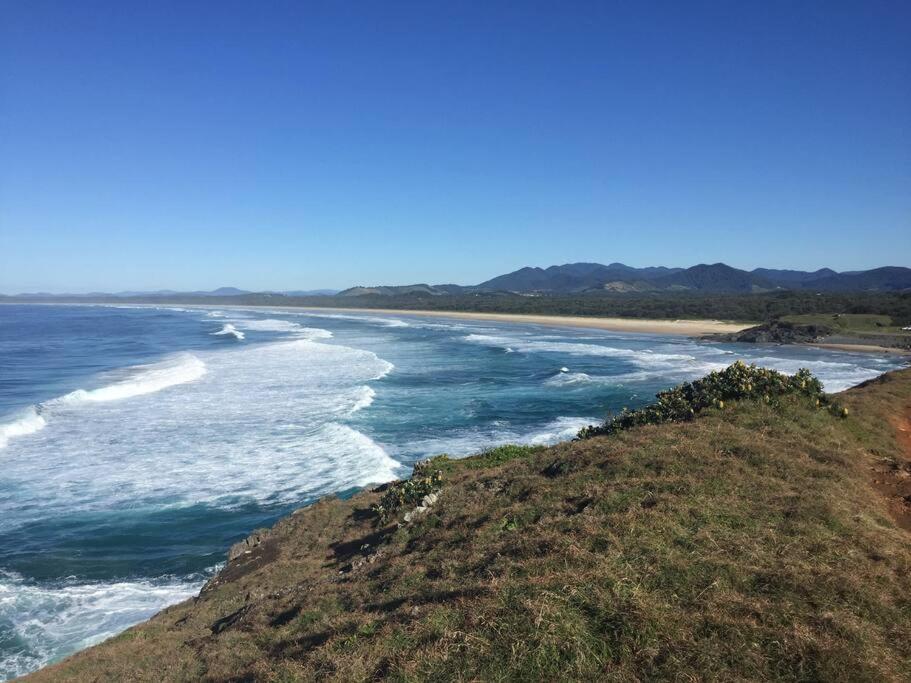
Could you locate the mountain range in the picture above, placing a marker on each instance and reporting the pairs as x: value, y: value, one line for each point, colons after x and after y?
x: 577, y: 278
x: 585, y: 278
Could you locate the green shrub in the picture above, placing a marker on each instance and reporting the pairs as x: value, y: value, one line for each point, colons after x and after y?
x: 736, y: 382
x: 409, y: 493
x: 499, y: 455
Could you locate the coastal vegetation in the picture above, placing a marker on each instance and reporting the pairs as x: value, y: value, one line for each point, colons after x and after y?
x: 665, y: 305
x: 758, y: 540
x: 737, y: 382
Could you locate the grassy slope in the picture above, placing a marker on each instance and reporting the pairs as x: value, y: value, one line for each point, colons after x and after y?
x: 846, y: 322
x: 862, y: 327
x: 748, y: 544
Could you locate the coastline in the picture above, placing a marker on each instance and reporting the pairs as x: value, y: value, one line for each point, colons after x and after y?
x: 643, y: 325
x: 859, y: 348
x: 697, y: 328
x: 322, y: 548
x: 682, y: 327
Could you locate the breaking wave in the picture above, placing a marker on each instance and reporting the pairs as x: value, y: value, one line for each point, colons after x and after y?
x: 144, y: 379
x: 28, y: 423
x: 47, y: 621
x: 139, y: 380
x: 229, y: 330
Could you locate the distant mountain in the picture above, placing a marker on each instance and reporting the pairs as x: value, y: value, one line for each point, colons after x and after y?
x: 716, y: 277
x: 789, y: 278
x: 579, y: 278
x: 309, y: 292
x: 396, y: 290
x: 888, y: 279
x: 571, y: 277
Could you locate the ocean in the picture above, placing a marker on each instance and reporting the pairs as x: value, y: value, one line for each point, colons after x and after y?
x: 137, y: 443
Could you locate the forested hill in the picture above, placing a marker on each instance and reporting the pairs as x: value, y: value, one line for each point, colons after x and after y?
x: 575, y: 278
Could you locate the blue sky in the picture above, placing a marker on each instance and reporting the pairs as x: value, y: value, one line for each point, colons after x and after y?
x: 301, y: 145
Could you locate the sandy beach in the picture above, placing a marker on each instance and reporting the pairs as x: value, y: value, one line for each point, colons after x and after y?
x: 861, y: 348
x: 642, y: 325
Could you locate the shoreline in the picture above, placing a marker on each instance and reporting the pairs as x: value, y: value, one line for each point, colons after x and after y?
x: 696, y: 328
x: 858, y: 348
x: 641, y: 325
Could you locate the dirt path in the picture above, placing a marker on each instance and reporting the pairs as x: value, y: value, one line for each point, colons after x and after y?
x: 893, y: 480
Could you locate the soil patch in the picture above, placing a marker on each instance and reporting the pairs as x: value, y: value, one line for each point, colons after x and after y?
x: 893, y: 479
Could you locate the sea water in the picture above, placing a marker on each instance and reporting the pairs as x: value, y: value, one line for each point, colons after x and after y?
x: 138, y: 442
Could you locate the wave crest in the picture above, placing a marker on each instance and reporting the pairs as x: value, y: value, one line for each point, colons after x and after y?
x: 29, y: 423
x: 229, y: 330
x: 147, y: 380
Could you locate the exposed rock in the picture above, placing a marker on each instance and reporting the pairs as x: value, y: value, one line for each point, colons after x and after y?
x: 246, y: 545
x: 426, y: 503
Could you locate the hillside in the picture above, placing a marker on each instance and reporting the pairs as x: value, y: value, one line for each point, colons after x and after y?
x: 716, y: 277
x: 846, y: 328
x: 391, y: 291
x: 757, y: 541
x: 567, y: 279
x: 571, y: 277
x: 578, y: 278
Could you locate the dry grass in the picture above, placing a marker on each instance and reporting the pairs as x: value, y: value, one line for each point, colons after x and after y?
x: 748, y: 544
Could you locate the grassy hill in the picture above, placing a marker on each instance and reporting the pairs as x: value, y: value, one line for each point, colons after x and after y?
x: 758, y: 541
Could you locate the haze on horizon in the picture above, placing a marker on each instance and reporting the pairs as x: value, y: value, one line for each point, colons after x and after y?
x: 304, y: 146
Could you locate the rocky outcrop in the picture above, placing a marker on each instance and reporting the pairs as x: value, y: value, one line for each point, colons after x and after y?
x: 776, y: 333
x: 248, y: 544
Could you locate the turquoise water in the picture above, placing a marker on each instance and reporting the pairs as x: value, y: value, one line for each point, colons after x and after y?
x: 138, y: 443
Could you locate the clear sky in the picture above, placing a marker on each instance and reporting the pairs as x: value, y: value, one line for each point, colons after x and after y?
x: 297, y: 145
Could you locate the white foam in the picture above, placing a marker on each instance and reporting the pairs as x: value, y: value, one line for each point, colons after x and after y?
x: 28, y: 422
x: 53, y: 621
x: 474, y: 440
x: 265, y: 423
x: 836, y: 375
x: 369, y: 319
x: 561, y: 429
x: 536, y: 345
x: 569, y: 379
x: 365, y: 398
x: 229, y: 329
x: 143, y: 379
x: 275, y: 325
x: 138, y: 380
